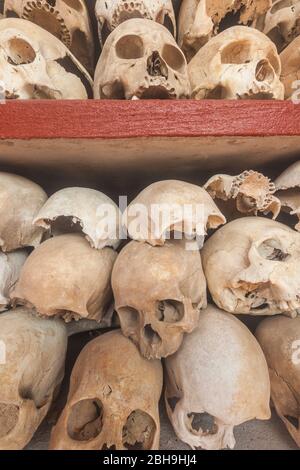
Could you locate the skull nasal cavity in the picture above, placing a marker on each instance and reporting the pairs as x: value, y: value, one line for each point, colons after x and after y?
x: 203, y: 422
x: 156, y: 66
x: 237, y: 52
x: 139, y: 431
x: 151, y: 336
x: 9, y: 415
x: 85, y: 420
x: 19, y: 52
x: 272, y: 250
x: 169, y: 311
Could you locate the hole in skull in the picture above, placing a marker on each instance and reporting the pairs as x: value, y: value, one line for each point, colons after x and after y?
x: 9, y: 415
x: 232, y: 18
x: 85, y: 420
x: 294, y: 421
x: 139, y: 431
x: 129, y: 317
x: 272, y: 250
x: 173, y: 57
x: 172, y: 402
x: 64, y: 224
x: 75, y: 4
x: 130, y: 47
x: 169, y: 311
x: 151, y: 336
x: 237, y: 52
x: 203, y: 422
x: 264, y: 72
x: 19, y: 52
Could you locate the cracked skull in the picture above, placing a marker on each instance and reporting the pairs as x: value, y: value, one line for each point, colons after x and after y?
x: 158, y: 292
x: 68, y: 20
x: 288, y: 191
x: 31, y: 371
x: 67, y: 278
x: 141, y: 60
x: 112, y: 14
x: 252, y: 266
x: 200, y: 20
x: 279, y: 338
x: 113, y: 399
x: 281, y: 22
x: 218, y: 379
x: 240, y: 63
x: 36, y: 65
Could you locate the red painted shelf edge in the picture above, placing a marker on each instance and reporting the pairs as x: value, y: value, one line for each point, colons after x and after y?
x: 92, y: 119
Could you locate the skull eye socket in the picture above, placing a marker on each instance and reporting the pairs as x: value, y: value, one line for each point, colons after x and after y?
x: 169, y: 311
x: 85, y: 420
x: 238, y: 52
x: 129, y: 317
x: 139, y: 431
x: 19, y: 52
x: 272, y: 250
x: 173, y: 57
x: 9, y: 415
x: 264, y: 72
x: 129, y: 47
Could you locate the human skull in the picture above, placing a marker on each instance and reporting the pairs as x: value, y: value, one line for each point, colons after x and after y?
x: 65, y: 277
x: 200, y: 20
x: 279, y: 338
x: 171, y: 206
x: 252, y: 192
x: 113, y: 399
x: 290, y: 70
x: 218, y: 379
x: 10, y: 268
x: 141, y: 59
x: 68, y: 20
x: 158, y: 293
x: 252, y: 266
x: 34, y: 64
x: 81, y: 209
x: 281, y: 22
x: 31, y: 371
x: 288, y: 191
x: 20, y: 200
x: 112, y: 14
x: 240, y: 63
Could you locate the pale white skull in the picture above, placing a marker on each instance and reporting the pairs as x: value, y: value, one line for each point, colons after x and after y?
x: 279, y: 338
x: 158, y: 293
x: 200, y: 20
x: 31, y: 371
x: 10, y: 268
x: 252, y: 266
x: 290, y: 70
x: 34, y: 64
x: 20, y: 201
x: 239, y: 63
x: 113, y: 399
x: 248, y: 193
x: 218, y: 379
x: 141, y: 59
x: 85, y: 210
x: 281, y: 22
x: 111, y: 14
x: 68, y: 20
x: 67, y: 278
x: 171, y: 206
x: 288, y: 190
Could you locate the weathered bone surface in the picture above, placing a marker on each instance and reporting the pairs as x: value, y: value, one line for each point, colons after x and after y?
x: 34, y: 64
x: 281, y: 22
x: 252, y: 266
x: 171, y: 206
x: 158, y: 292
x: 33, y: 354
x: 10, y: 268
x: 288, y: 191
x: 239, y: 63
x: 85, y: 210
x: 20, y: 200
x: 252, y: 192
x: 141, y: 60
x: 279, y: 338
x: 290, y: 69
x: 113, y: 399
x: 218, y: 379
x: 111, y: 14
x: 200, y: 20
x: 65, y: 277
x: 68, y: 20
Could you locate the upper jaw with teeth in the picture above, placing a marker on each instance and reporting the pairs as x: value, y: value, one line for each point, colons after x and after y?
x: 137, y: 10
